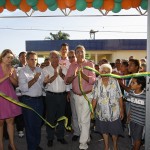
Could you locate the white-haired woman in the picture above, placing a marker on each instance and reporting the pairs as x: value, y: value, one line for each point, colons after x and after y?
x: 107, y: 99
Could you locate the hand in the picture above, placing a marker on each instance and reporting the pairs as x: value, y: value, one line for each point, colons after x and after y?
x: 128, y: 118
x: 121, y: 114
x: 56, y: 72
x: 68, y: 96
x: 11, y: 71
x: 92, y: 115
x: 36, y: 76
x: 47, y: 79
x: 120, y: 81
x: 76, y: 72
x: 60, y: 72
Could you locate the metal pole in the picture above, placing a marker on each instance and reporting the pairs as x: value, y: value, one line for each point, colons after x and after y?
x: 147, y: 126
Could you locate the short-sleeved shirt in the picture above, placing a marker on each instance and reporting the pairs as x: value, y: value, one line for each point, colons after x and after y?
x: 107, y: 108
x: 25, y: 75
x: 87, y: 86
x: 137, y: 107
x: 58, y: 85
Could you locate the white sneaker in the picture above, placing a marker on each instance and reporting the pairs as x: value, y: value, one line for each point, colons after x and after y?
x: 21, y: 134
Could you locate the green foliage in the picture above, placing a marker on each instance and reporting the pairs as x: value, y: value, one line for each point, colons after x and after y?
x: 59, y: 36
x: 15, y: 61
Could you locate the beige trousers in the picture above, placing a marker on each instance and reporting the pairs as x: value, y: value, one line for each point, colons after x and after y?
x: 83, y: 113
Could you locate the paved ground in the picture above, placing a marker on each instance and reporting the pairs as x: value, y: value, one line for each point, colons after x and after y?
x: 96, y: 143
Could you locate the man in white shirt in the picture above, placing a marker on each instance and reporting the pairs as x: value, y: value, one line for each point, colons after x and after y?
x: 31, y: 81
x: 55, y: 98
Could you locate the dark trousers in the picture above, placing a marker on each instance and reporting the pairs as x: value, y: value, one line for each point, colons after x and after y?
x: 33, y: 121
x: 55, y: 108
x: 19, y: 120
x: 68, y: 113
x: 19, y: 123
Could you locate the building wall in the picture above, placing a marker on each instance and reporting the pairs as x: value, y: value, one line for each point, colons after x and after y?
x: 125, y: 54
x: 111, y: 55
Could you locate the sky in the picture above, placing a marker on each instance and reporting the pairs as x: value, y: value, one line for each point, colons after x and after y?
x: 16, y: 28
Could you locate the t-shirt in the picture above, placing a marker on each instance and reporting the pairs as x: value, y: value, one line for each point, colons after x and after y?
x: 137, y: 107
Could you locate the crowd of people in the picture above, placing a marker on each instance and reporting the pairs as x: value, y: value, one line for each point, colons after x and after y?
x: 52, y: 90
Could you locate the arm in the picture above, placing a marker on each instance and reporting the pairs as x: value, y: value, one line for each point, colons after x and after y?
x: 49, y: 80
x: 126, y: 88
x: 4, y: 78
x: 95, y: 95
x: 121, y: 108
x: 90, y: 75
x: 34, y: 80
x: 94, y: 102
x: 70, y: 79
x: 49, y: 77
x: 71, y: 75
x: 120, y: 99
x: 84, y: 76
x: 61, y: 73
x: 13, y: 77
x: 128, y: 116
x: 53, y: 78
x: 25, y: 81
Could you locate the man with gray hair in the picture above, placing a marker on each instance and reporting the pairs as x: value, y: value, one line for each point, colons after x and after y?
x: 55, y: 98
x: 31, y: 80
x: 81, y: 104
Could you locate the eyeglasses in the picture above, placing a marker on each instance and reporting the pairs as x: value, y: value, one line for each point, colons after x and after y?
x: 71, y: 57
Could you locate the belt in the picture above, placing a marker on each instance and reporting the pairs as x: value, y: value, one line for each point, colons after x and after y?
x: 53, y: 93
x: 87, y: 92
x: 31, y: 96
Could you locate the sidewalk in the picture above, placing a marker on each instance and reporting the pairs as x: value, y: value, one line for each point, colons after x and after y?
x: 124, y: 143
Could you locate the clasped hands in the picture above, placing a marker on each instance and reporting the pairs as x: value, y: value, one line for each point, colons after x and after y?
x: 57, y: 72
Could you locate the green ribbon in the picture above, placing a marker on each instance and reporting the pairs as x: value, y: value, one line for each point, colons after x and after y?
x: 108, y: 75
x: 118, y: 76
x: 83, y: 93
x: 28, y: 107
x: 81, y: 89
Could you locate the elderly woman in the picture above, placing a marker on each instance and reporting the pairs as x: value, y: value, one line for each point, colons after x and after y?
x: 107, y: 99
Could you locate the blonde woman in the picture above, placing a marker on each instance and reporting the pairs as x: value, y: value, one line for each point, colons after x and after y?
x: 8, y: 110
